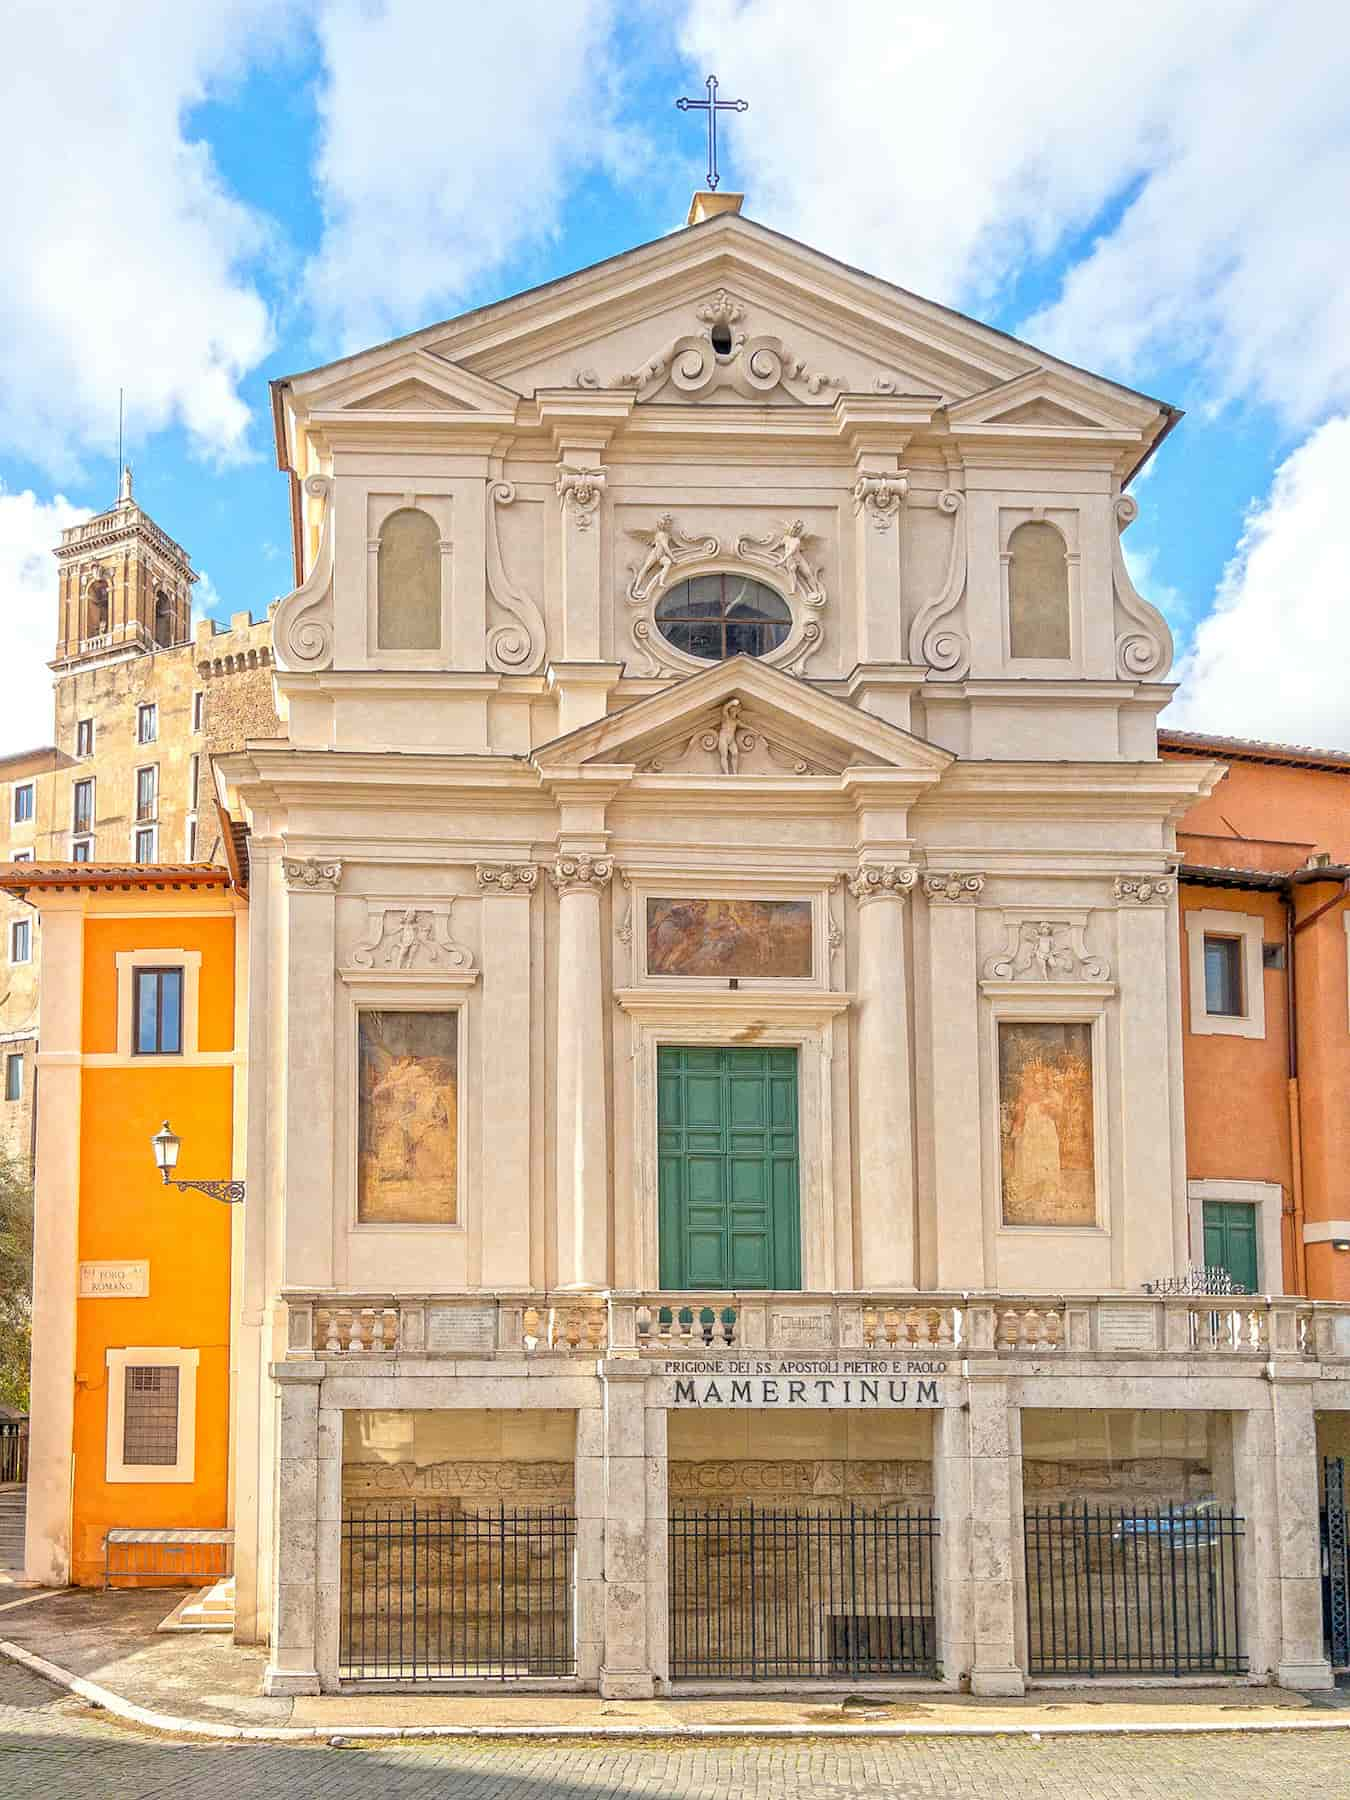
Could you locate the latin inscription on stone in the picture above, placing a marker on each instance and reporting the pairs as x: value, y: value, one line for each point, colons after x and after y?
x: 461, y: 1327
x: 804, y: 1383
x: 464, y: 1480
x: 1125, y: 1328
x: 114, y: 1280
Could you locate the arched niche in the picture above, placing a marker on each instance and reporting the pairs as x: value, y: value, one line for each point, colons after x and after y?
x: 408, y: 582
x: 1039, y: 613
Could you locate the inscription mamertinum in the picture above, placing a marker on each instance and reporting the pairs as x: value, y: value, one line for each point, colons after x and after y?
x: 805, y: 1384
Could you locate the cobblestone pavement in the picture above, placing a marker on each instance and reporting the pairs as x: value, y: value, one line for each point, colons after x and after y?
x: 55, y: 1747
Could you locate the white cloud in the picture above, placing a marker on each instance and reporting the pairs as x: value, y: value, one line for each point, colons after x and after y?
x: 946, y: 147
x: 448, y: 141
x: 1270, y: 661
x: 127, y: 259
x: 29, y: 531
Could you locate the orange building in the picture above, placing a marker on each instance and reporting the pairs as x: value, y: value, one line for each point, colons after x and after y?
x: 141, y: 1020
x: 1265, y: 994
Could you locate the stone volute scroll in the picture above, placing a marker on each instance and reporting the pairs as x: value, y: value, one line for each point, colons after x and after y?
x: 579, y: 492
x: 508, y: 878
x: 719, y: 356
x: 1143, y: 890
x: 1051, y: 949
x: 581, y: 874
x: 1144, y: 648
x: 879, y: 496
x: 935, y: 640
x: 302, y: 628
x: 412, y: 936
x: 517, y: 648
x: 960, y: 888
x: 311, y: 874
x: 882, y: 881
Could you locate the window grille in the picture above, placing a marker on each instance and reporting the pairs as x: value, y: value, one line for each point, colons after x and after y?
x: 150, y: 1418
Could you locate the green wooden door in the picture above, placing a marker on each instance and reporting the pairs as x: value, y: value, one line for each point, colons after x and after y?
x: 727, y: 1155
x: 1230, y: 1240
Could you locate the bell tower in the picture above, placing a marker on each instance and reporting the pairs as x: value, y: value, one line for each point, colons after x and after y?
x: 125, y: 587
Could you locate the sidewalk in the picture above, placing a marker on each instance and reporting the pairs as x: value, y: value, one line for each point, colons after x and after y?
x: 208, y: 1684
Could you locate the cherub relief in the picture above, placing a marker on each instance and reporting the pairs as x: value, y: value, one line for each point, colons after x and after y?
x: 785, y: 551
x: 667, y: 546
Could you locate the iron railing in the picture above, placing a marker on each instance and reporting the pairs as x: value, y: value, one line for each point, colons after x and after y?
x: 770, y: 1594
x: 434, y: 1593
x: 1134, y: 1590
x: 1335, y: 1563
x: 13, y: 1450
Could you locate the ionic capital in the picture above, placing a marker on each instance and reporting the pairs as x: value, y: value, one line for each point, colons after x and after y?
x: 882, y: 881
x: 311, y: 874
x: 956, y: 889
x: 508, y: 878
x: 581, y: 874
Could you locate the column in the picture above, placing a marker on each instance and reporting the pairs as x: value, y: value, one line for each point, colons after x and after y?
x: 508, y: 1110
x: 951, y: 1500
x: 582, y: 1126
x: 877, y: 493
x: 1302, y: 1657
x: 885, y: 1123
x: 625, y: 1672
x: 954, y: 1021
x: 56, y: 1228
x: 995, y: 1538
x: 292, y: 1666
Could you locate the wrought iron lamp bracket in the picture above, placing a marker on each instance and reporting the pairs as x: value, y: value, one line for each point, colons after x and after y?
x: 231, y: 1192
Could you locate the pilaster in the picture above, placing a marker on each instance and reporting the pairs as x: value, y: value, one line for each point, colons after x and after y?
x: 580, y: 485
x: 1302, y: 1657
x: 995, y: 1538
x: 1151, y: 1077
x: 292, y: 1666
x: 878, y: 492
x: 954, y: 1024
x: 508, y: 1108
x: 582, y: 1123
x: 310, y: 1098
x: 885, y: 1116
x: 56, y: 1250
x: 625, y: 1673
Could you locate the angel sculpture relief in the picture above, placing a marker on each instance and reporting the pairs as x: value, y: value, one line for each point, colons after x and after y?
x: 667, y: 547
x: 785, y: 551
x: 728, y: 745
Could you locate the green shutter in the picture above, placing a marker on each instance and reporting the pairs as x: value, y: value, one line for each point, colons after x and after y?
x: 1230, y: 1240
x: 727, y: 1168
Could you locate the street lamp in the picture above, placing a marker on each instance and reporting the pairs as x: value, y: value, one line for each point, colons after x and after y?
x: 166, y: 1144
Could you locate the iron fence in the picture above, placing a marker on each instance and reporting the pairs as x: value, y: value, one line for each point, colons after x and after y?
x: 13, y: 1451
x: 443, y: 1593
x: 763, y: 1593
x: 1335, y: 1563
x: 1134, y: 1590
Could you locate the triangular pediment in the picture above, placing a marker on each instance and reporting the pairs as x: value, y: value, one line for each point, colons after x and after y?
x: 743, y: 719
x: 1046, y: 401
x: 729, y: 312
x: 406, y: 379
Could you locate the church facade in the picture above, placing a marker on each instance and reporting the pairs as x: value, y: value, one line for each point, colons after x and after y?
x: 715, y: 1150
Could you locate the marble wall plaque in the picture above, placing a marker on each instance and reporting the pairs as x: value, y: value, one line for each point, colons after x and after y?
x: 114, y: 1280
x: 461, y: 1327
x: 809, y: 1329
x: 1125, y: 1328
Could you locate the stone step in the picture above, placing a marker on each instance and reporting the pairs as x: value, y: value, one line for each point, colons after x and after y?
x: 209, y: 1609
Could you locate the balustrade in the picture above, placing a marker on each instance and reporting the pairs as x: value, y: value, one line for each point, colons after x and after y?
x: 752, y: 1324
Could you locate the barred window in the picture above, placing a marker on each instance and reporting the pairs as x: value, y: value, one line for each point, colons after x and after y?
x: 150, y: 1418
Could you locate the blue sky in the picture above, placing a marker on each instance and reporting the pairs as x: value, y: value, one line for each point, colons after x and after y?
x: 289, y: 184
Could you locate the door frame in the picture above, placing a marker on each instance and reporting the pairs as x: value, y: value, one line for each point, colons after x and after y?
x: 1268, y: 1198
x: 810, y: 1022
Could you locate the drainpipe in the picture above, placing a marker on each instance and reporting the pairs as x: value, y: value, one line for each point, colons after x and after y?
x: 1299, y: 1261
x: 1301, y: 878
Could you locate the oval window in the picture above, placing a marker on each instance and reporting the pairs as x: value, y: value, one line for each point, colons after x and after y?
x: 717, y: 616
